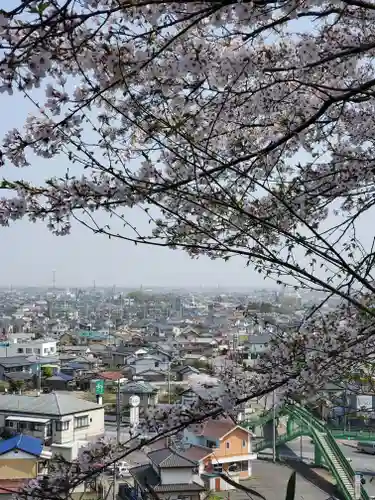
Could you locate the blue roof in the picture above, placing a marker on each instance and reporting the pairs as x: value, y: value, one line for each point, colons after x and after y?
x: 28, y: 444
x: 64, y: 376
x: 75, y: 366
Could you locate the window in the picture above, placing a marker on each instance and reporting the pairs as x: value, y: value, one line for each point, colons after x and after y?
x: 211, y: 444
x: 20, y: 350
x: 41, y: 467
x: 227, y: 444
x: 81, y: 422
x: 244, y: 443
x: 156, y: 364
x: 29, y: 350
x: 37, y: 351
x: 9, y: 423
x: 62, y: 426
x: 238, y: 466
x: 217, y: 467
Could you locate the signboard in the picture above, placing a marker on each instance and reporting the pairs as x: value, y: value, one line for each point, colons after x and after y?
x: 99, y: 387
x: 357, y: 486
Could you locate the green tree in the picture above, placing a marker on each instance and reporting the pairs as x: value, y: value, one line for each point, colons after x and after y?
x: 47, y: 371
x: 16, y: 385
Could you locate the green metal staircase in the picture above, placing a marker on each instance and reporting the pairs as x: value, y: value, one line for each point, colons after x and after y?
x: 328, y: 450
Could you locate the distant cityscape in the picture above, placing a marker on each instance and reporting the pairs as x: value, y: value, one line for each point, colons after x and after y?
x: 82, y: 363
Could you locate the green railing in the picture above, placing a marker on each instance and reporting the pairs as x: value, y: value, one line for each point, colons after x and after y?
x: 309, y: 425
x: 317, y: 425
x: 360, y: 435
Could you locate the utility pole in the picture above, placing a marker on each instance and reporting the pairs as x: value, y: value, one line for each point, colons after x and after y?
x: 169, y: 382
x: 118, y: 412
x: 274, y: 426
x: 118, y: 436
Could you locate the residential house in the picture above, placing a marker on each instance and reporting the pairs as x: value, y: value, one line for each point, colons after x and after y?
x: 255, y: 346
x: 68, y: 352
x: 170, y: 475
x: 61, y: 420
x: 90, y: 336
x: 21, y: 458
x: 15, y: 365
x: 151, y: 376
x: 147, y: 394
x: 183, y: 373
x: 163, y: 355
x: 220, y: 446
x: 79, y: 365
x: 140, y: 364
x: 24, y: 458
x: 59, y: 382
x: 203, y: 393
x: 166, y: 330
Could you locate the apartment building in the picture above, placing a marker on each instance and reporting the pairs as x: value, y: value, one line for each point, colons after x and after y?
x: 40, y: 348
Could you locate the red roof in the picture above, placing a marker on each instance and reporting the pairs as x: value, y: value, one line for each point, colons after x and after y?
x: 9, y: 486
x: 111, y: 375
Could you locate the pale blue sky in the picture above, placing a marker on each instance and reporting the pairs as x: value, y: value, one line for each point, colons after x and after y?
x: 29, y: 252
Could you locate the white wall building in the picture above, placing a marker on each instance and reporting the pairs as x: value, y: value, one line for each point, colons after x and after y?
x: 63, y: 421
x: 38, y: 347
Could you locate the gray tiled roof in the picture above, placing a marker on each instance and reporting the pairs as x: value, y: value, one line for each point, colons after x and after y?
x: 166, y: 488
x: 15, y: 361
x: 166, y: 457
x: 18, y: 376
x: 141, y: 387
x: 53, y: 404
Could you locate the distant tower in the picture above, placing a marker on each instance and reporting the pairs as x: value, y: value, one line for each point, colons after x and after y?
x: 54, y: 279
x: 210, y: 312
x: 178, y: 307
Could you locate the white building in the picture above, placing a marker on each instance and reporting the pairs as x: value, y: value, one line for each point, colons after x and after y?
x: 63, y: 421
x: 38, y: 347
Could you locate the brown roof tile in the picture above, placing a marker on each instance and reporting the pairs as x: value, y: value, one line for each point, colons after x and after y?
x: 196, y: 452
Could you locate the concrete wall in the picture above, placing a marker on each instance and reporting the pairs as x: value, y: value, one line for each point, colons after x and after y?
x: 178, y: 475
x: 95, y: 427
